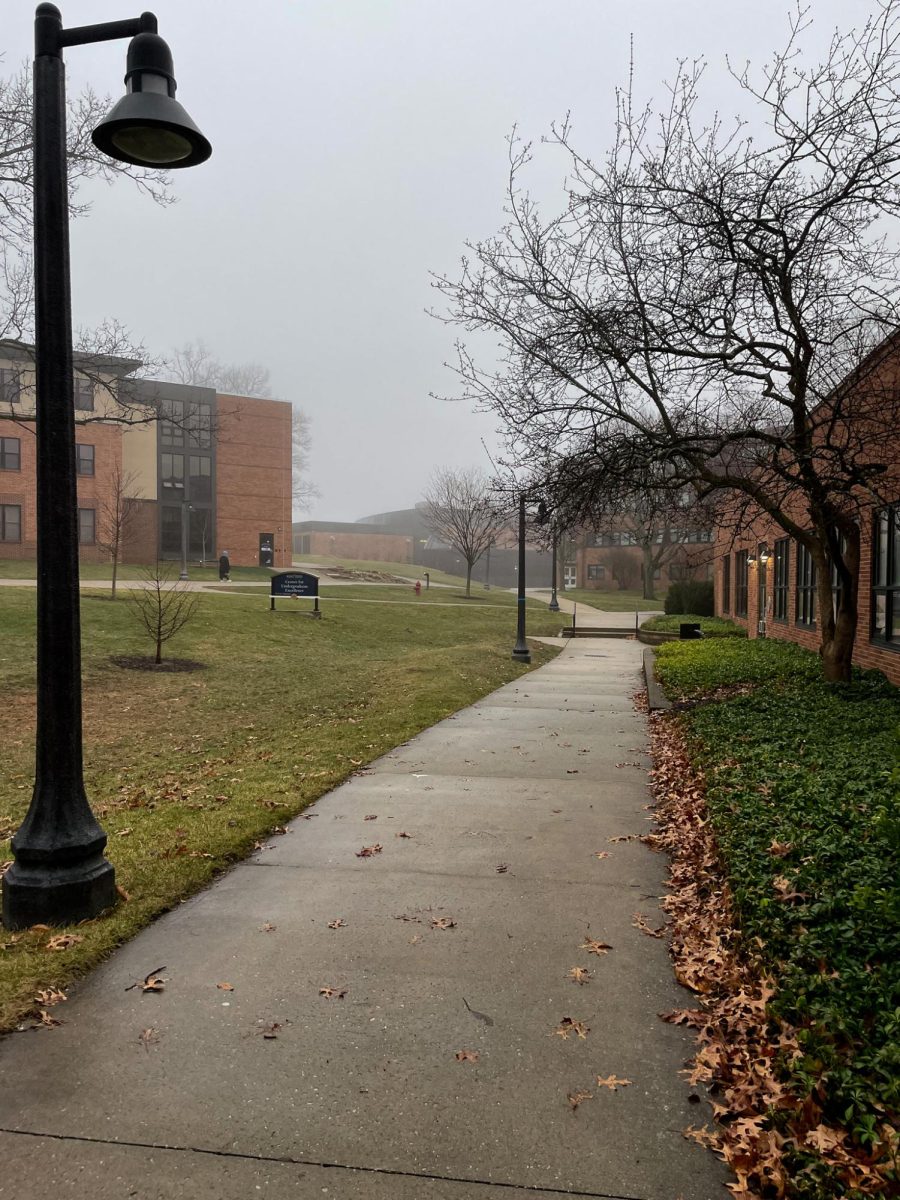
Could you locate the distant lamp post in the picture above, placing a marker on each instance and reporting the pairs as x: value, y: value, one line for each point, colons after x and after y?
x: 60, y: 875
x: 186, y: 510
x: 521, y: 653
x: 554, y: 599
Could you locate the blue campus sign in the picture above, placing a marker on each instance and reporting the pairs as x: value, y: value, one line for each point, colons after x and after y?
x: 295, y: 583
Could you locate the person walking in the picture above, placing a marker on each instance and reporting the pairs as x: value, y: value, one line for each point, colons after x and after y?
x: 224, y: 566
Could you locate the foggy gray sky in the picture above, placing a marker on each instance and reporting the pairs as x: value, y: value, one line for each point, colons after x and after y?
x: 356, y: 145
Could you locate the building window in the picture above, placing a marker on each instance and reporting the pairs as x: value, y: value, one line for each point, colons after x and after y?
x: 9, y: 385
x: 621, y: 537
x: 10, y: 454
x: 199, y: 426
x: 782, y: 571
x: 886, y: 576
x: 595, y: 571
x: 806, y: 588
x: 726, y: 583
x: 171, y: 431
x: 10, y: 522
x: 171, y: 471
x: 87, y: 526
x: 84, y: 395
x: 200, y: 478
x: 740, y: 583
x: 84, y: 459
x: 170, y: 531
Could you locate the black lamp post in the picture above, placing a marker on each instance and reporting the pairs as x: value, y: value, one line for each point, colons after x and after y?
x: 554, y: 599
x: 60, y: 875
x: 521, y: 653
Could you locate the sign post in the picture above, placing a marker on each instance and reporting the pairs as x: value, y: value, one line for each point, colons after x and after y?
x: 297, y: 584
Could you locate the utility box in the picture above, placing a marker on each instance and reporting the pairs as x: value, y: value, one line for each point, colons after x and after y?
x: 690, y: 631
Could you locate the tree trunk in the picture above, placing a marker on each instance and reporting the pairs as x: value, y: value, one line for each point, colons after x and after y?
x: 115, y: 572
x: 468, y: 579
x: 649, y: 568
x: 838, y: 628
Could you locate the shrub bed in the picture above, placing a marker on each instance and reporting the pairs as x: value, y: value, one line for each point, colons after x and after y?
x: 803, y: 792
x: 711, y: 626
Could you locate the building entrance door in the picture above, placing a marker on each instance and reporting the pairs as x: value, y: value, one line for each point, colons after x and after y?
x: 266, y: 550
x: 570, y: 578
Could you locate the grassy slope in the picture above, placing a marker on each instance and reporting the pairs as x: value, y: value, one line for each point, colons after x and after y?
x: 27, y: 569
x: 615, y: 601
x: 405, y: 570
x: 185, y: 766
x: 792, y: 760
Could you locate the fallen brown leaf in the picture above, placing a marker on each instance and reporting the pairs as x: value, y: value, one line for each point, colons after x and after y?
x: 148, y: 1037
x: 47, y: 997
x: 640, y: 922
x: 331, y: 993
x: 403, y: 834
x: 579, y: 975
x: 48, y: 1019
x: 368, y: 851
x: 576, y: 1098
x: 122, y: 894
x: 780, y: 849
x: 612, y: 1082
x: 270, y: 1031
x: 64, y: 941
x: 502, y: 868
x: 443, y: 923
x: 268, y: 927
x: 467, y: 1056
x: 568, y: 1025
x: 371, y: 817
x: 601, y: 854
x: 337, y: 923
x: 594, y: 947
x: 624, y: 837
x: 225, y: 987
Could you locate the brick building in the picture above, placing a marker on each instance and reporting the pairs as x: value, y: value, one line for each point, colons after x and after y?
x: 352, y: 539
x: 209, y: 469
x: 613, y: 558
x: 767, y: 581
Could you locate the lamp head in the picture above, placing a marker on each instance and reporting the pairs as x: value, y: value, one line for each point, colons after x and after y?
x: 148, y: 127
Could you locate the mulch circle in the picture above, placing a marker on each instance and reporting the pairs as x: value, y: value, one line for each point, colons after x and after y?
x: 170, y: 666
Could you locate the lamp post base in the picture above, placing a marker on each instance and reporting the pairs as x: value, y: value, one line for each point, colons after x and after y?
x: 554, y: 602
x: 40, y: 894
x: 521, y: 654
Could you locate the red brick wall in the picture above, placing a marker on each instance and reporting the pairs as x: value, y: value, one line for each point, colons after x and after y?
x: 94, y: 491
x: 253, y: 478
x: 865, y: 652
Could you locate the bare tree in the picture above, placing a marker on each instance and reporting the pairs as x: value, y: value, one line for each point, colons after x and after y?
x: 304, y: 490
x: 716, y: 303
x: 163, y: 606
x: 194, y: 363
x: 118, y: 515
x: 84, y: 112
x: 460, y: 510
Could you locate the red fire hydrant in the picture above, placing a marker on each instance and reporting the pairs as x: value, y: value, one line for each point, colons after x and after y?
x: 418, y: 588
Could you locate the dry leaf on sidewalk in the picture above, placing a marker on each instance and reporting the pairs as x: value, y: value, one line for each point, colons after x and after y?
x: 594, y: 947
x: 368, y: 851
x: 568, y: 1025
x: 576, y: 1098
x: 467, y: 1056
x: 331, y: 993
x: 640, y: 922
x: 443, y: 923
x: 579, y: 975
x: 612, y: 1082
x: 337, y: 923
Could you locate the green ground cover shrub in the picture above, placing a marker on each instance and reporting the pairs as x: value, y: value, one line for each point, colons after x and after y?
x: 711, y: 626
x: 810, y: 769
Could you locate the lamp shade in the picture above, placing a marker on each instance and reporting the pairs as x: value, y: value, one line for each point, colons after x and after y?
x: 148, y: 127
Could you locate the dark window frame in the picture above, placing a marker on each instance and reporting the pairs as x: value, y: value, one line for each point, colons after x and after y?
x: 7, y: 454
x: 805, y: 590
x: 82, y: 458
x: 10, y: 385
x: 726, y: 583
x: 82, y: 514
x: 741, y: 582
x: 885, y: 576
x: 169, y: 480
x: 596, y: 571
x: 6, y: 521
x: 83, y: 395
x: 781, y: 578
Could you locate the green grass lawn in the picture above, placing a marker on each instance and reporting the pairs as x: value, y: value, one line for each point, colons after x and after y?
x: 368, y: 593
x: 406, y: 570
x: 27, y: 569
x: 187, y: 771
x: 615, y: 601
x: 813, y: 768
x: 711, y: 626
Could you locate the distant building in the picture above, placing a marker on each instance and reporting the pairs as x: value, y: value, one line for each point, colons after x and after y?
x: 350, y: 539
x: 217, y: 466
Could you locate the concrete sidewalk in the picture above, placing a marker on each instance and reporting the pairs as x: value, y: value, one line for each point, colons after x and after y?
x: 458, y: 937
